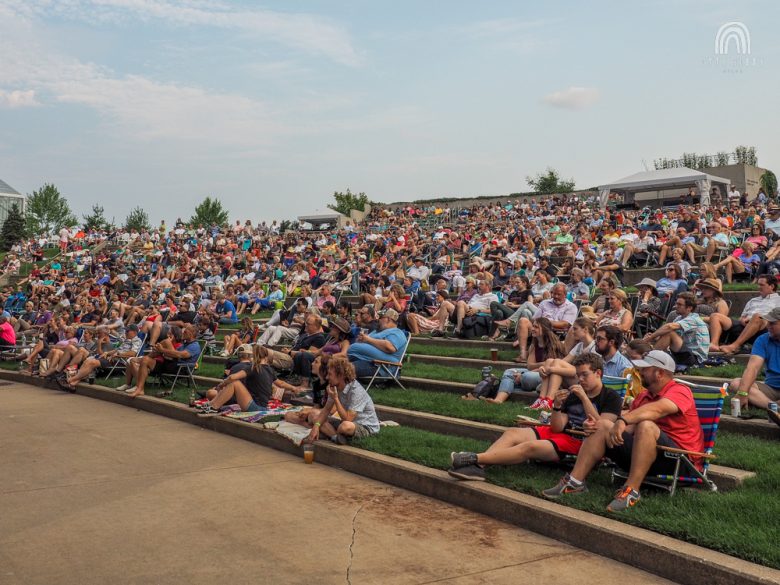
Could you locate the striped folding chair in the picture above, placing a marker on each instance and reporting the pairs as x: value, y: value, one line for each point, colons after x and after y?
x: 709, y: 403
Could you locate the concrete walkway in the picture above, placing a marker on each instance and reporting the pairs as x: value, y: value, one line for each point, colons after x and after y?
x: 92, y: 492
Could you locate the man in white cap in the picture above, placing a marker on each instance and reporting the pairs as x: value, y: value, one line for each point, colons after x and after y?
x: 662, y: 415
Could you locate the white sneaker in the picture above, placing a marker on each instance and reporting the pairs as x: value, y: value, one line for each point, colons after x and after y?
x: 130, y: 390
x: 122, y: 388
x: 224, y: 353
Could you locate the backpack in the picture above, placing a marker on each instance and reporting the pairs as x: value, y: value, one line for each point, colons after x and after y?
x: 476, y: 326
x: 487, y: 388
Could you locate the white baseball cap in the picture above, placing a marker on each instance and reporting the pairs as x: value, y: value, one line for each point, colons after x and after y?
x: 656, y: 359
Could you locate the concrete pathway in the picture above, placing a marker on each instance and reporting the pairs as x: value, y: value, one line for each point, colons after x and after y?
x: 93, y: 492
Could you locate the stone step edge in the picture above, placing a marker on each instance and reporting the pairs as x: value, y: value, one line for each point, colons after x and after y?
x: 655, y: 553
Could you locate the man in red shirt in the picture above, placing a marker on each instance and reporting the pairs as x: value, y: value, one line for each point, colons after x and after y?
x: 664, y: 414
x: 7, y: 333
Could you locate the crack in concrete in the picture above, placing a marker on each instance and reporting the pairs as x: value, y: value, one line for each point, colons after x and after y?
x: 352, y: 544
x: 528, y: 562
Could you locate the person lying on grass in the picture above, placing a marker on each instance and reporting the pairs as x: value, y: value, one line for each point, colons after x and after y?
x: 252, y: 383
x: 588, y: 400
x: 357, y: 417
x: 663, y: 415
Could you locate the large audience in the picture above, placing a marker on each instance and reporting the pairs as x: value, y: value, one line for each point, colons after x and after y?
x: 548, y: 274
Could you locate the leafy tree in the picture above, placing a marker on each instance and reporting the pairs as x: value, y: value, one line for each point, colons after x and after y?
x: 96, y: 220
x: 138, y: 220
x: 210, y: 212
x: 550, y: 182
x: 13, y: 229
x: 347, y: 201
x: 769, y: 182
x: 288, y: 225
x: 48, y: 211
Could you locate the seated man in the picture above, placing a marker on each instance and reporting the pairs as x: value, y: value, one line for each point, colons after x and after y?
x: 164, y: 359
x: 71, y: 355
x: 225, y: 311
x: 717, y: 240
x: 750, y: 324
x: 479, y: 303
x: 662, y: 415
x: 687, y: 337
x: 557, y: 309
x: 357, y: 417
x: 311, y: 336
x: 766, y: 353
x: 387, y: 344
x: 587, y: 400
x: 127, y: 349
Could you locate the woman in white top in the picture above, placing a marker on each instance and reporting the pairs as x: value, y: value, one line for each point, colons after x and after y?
x: 558, y: 373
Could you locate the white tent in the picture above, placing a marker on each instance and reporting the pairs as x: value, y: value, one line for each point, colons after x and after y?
x: 324, y: 216
x: 663, y: 179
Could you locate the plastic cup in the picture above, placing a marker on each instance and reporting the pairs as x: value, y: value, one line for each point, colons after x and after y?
x: 308, y: 453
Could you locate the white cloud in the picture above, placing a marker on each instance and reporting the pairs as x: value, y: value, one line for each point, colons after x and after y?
x: 17, y: 98
x: 310, y: 33
x: 573, y: 98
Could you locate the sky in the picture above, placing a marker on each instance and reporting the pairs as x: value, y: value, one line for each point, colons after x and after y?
x: 271, y: 107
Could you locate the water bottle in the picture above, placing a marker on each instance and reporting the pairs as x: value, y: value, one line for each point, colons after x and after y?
x: 486, y: 372
x: 773, y: 406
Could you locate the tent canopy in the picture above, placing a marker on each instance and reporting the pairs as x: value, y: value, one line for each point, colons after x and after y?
x: 323, y: 216
x: 663, y: 179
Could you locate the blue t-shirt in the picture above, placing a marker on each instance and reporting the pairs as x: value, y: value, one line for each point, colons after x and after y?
x: 227, y: 308
x: 367, y: 352
x: 769, y: 349
x: 193, y: 348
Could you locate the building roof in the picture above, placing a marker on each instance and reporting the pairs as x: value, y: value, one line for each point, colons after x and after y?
x: 6, y: 189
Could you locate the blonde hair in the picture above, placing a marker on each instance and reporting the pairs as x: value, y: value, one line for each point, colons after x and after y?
x: 259, y: 357
x: 342, y: 367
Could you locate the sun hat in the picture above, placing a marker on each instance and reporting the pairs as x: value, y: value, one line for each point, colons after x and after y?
x: 648, y: 282
x: 712, y: 283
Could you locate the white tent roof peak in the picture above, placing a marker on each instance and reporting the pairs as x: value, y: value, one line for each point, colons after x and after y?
x: 321, y: 214
x: 661, y: 177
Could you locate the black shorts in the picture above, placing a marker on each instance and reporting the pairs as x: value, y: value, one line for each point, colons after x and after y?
x: 6, y: 344
x: 165, y: 367
x: 685, y: 358
x: 662, y: 465
x: 736, y: 329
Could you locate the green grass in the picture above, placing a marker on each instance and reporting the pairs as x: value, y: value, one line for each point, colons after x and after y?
x: 451, y: 405
x: 477, y: 353
x: 445, y: 373
x: 727, y: 372
x: 740, y: 523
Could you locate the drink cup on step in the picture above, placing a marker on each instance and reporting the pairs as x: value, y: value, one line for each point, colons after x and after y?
x: 308, y: 453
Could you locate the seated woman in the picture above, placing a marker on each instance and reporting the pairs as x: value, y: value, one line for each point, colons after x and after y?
x: 672, y: 283
x: 757, y: 238
x: 746, y: 262
x: 245, y: 334
x: 526, y: 308
x: 545, y: 345
x: 251, y: 385
x: 336, y: 344
x: 541, y: 285
x: 649, y: 307
x: 618, y: 312
x: 558, y: 373
x: 254, y: 295
x: 71, y: 354
x: 604, y: 288
x: 319, y: 391
x: 418, y: 323
x: 57, y: 351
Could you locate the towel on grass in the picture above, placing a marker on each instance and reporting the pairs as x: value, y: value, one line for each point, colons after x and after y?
x: 296, y: 433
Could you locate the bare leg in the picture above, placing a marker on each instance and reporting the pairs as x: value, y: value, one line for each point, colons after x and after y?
x: 643, y: 453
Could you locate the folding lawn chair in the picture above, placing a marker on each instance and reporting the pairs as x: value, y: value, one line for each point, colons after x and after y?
x: 390, y: 371
x: 709, y: 403
x: 122, y: 362
x: 185, y: 371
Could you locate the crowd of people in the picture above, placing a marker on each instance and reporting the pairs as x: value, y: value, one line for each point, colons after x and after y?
x: 548, y: 274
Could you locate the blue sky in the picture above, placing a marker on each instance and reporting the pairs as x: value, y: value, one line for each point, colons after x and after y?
x: 271, y: 107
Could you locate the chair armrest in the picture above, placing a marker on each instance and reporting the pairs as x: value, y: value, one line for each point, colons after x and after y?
x: 684, y: 452
x: 399, y: 364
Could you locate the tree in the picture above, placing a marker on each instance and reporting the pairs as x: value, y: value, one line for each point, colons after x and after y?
x: 550, y: 182
x: 48, y: 211
x: 138, y: 220
x: 210, y: 212
x: 96, y: 220
x: 13, y: 230
x: 288, y: 225
x: 769, y: 182
x: 346, y: 202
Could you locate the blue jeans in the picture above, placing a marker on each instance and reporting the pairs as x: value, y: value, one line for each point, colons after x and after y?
x: 364, y: 369
x: 529, y: 381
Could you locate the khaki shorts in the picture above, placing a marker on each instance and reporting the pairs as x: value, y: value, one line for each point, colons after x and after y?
x: 771, y: 393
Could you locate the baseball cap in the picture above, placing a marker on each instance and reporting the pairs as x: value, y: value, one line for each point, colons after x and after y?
x: 772, y: 316
x: 657, y: 359
x: 245, y: 349
x: 391, y: 314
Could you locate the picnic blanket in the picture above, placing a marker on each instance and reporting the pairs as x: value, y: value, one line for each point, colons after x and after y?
x: 234, y: 411
x: 296, y: 433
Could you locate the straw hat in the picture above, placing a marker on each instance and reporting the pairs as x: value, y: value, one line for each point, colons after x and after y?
x: 648, y: 282
x: 712, y: 283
